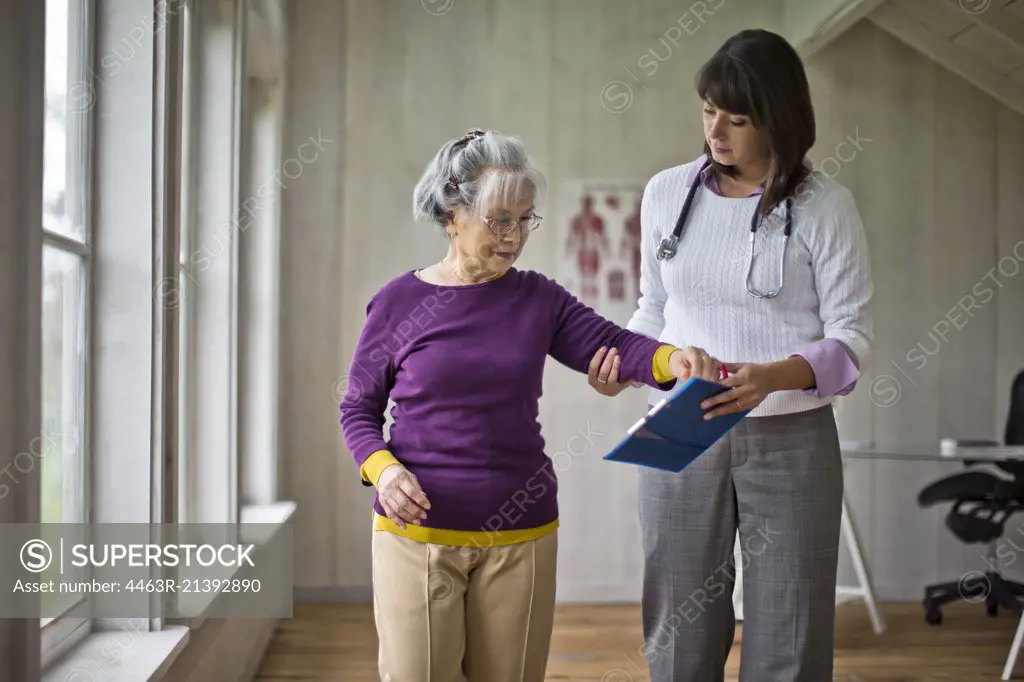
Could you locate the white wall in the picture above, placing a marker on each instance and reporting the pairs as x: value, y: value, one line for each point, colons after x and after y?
x: 812, y: 24
x: 312, y: 291
x: 939, y: 189
x: 802, y: 17
x: 394, y: 81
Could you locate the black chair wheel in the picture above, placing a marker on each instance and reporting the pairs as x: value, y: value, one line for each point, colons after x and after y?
x: 993, y: 610
x: 932, y: 615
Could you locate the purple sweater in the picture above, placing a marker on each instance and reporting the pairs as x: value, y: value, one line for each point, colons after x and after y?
x: 464, y: 366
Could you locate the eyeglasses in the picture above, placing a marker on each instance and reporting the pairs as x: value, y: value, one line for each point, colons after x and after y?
x: 502, y: 226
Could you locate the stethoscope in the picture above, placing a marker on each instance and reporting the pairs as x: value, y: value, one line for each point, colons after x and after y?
x: 667, y: 248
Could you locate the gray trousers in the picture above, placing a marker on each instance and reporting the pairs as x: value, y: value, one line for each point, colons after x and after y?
x: 779, y: 480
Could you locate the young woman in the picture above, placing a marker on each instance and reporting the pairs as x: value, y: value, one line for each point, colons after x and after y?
x: 465, y: 515
x: 761, y: 261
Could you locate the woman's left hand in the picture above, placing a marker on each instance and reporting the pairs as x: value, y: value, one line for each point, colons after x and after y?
x: 749, y: 384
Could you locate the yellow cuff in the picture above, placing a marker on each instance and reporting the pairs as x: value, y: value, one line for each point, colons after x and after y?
x: 661, y: 370
x: 375, y: 464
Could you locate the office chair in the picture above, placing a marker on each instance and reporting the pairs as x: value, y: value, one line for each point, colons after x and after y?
x: 982, y: 502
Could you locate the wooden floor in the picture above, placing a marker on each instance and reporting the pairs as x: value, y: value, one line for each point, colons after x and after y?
x: 603, y: 644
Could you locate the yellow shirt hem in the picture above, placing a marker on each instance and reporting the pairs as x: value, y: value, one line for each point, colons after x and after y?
x: 463, y: 538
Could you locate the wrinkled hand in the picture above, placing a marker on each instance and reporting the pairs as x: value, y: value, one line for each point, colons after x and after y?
x: 749, y: 384
x: 691, y: 361
x: 401, y: 496
x: 603, y: 373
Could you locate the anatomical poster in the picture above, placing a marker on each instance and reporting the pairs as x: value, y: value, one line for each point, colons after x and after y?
x: 599, y: 239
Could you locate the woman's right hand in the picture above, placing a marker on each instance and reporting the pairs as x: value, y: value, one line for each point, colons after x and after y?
x: 401, y: 496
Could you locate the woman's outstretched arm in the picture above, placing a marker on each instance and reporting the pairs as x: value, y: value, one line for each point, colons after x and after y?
x: 580, y: 333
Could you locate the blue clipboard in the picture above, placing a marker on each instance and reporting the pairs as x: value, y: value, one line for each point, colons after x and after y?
x: 674, y: 432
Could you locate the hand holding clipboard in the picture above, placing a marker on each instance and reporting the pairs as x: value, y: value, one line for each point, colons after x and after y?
x: 675, y: 432
x: 603, y: 372
x: 749, y: 384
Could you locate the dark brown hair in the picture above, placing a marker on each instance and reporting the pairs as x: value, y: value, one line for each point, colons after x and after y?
x: 758, y: 74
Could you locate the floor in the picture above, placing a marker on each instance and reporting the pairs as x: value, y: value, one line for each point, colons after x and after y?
x: 603, y: 643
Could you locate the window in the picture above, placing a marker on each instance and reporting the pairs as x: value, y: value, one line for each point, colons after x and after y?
x: 259, y: 248
x: 208, y: 266
x: 64, y: 456
x: 232, y: 109
x: 159, y: 303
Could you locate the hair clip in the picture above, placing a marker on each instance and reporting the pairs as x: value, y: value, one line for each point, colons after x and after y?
x: 470, y: 135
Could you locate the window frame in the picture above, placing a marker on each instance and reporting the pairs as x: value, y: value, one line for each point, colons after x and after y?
x: 61, y: 632
x: 146, y: 107
x: 259, y: 223
x: 133, y: 390
x: 228, y: 471
x: 208, y: 447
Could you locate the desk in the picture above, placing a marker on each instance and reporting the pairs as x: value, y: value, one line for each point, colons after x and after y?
x: 920, y: 453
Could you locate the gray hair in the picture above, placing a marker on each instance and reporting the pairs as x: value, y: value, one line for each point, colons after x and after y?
x: 479, y: 170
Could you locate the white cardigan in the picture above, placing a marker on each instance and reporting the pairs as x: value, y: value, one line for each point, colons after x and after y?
x: 699, y: 297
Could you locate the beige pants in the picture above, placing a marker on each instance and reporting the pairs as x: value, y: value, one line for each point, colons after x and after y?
x: 463, y: 614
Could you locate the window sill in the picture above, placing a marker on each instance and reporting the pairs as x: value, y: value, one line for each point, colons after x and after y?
x: 120, y: 656
x: 147, y: 656
x: 260, y: 518
x: 275, y: 512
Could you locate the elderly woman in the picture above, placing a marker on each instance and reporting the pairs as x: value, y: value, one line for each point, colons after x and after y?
x: 465, y: 510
